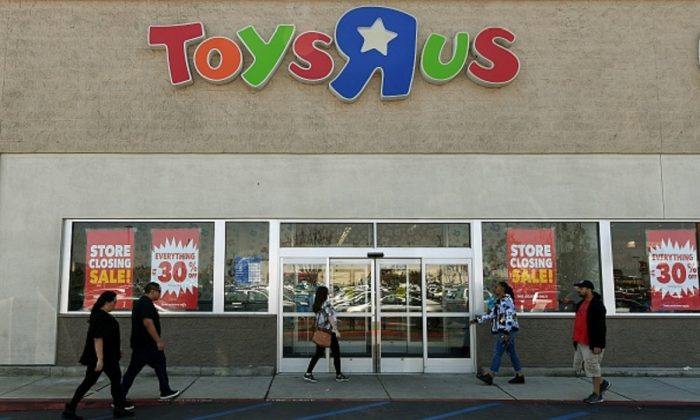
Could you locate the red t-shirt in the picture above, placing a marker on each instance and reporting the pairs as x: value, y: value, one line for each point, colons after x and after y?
x: 580, y: 324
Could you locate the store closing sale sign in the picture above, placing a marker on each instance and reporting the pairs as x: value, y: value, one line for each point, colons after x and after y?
x: 532, y: 268
x: 109, y: 265
x: 175, y: 266
x: 673, y: 270
x: 370, y: 40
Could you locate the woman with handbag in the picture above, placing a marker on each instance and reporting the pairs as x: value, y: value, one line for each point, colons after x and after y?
x: 101, y: 354
x: 326, y: 324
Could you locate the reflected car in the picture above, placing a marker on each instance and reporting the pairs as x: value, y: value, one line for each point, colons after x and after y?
x: 342, y: 305
x: 395, y: 303
x: 247, y: 300
x: 630, y: 305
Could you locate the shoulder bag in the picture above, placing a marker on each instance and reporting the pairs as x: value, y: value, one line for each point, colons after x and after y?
x: 322, y: 336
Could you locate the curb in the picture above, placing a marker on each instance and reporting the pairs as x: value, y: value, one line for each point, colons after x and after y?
x: 58, y: 404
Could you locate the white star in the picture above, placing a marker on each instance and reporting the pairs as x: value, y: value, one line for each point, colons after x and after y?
x: 376, y: 37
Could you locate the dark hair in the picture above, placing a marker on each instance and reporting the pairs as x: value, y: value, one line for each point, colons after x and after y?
x: 508, y: 289
x: 321, y: 296
x: 108, y: 296
x: 150, y: 287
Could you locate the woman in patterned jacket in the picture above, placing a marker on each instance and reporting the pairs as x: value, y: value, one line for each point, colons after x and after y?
x: 504, y: 325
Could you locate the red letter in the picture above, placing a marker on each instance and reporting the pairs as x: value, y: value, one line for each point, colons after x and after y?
x: 320, y: 63
x: 494, y: 64
x: 175, y: 38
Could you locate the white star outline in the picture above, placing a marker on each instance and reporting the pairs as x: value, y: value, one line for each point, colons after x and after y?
x: 376, y: 37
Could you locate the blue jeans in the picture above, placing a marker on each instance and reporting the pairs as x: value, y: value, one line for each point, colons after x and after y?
x: 509, y: 347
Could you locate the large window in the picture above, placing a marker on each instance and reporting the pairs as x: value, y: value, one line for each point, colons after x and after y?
x: 125, y: 256
x: 655, y: 267
x: 541, y: 261
x: 247, y: 277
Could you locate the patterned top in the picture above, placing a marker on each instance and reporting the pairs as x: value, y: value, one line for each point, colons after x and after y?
x: 322, y: 316
x: 503, y: 316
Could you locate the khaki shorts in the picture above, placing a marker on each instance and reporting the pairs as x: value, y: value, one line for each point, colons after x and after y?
x: 586, y: 361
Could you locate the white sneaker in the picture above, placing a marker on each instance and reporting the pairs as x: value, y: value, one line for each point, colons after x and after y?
x: 169, y: 395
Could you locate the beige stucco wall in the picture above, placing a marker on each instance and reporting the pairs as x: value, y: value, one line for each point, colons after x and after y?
x: 597, y: 77
x: 39, y: 191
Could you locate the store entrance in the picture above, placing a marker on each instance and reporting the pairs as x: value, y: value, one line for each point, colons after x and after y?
x: 395, y: 314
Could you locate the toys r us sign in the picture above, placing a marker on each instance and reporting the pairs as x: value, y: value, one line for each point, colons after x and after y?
x: 370, y: 38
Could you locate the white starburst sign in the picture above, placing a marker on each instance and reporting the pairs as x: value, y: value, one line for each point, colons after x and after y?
x: 673, y: 269
x: 175, y: 266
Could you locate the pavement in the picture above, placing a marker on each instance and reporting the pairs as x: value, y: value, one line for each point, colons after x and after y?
x: 50, y: 392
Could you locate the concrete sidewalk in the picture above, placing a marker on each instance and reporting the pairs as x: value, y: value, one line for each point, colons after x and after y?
x: 19, y: 391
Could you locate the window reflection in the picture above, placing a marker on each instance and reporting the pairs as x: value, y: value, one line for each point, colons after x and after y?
x: 548, y: 257
x: 655, y: 267
x: 246, y: 285
x: 296, y: 337
x: 448, y: 286
x: 180, y: 255
x: 350, y: 289
x: 300, y: 282
x: 342, y: 235
x: 446, y: 235
x: 400, y: 288
x: 448, y: 338
x: 402, y: 337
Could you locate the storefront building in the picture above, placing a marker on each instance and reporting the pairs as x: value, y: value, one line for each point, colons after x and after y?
x: 406, y: 155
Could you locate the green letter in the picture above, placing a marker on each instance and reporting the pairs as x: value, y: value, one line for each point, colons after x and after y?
x: 267, y: 56
x: 432, y: 67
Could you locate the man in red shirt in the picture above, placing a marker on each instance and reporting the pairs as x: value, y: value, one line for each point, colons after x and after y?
x: 589, y: 338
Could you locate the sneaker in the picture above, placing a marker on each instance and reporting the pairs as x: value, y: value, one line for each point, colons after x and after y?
x: 309, y: 378
x: 164, y: 396
x: 604, y: 386
x: 488, y: 379
x: 341, y: 378
x: 69, y: 414
x: 517, y: 379
x: 128, y: 405
x: 594, y: 399
x: 120, y: 413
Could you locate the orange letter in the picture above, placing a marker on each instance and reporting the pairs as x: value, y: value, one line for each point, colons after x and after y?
x: 230, y: 59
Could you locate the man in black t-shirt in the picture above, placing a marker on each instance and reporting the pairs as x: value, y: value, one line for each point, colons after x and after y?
x: 147, y: 347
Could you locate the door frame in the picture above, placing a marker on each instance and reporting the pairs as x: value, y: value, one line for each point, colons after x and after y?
x: 451, y: 365
x: 324, y: 256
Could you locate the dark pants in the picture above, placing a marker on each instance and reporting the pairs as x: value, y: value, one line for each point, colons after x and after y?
x: 114, y: 374
x: 152, y: 358
x: 321, y: 351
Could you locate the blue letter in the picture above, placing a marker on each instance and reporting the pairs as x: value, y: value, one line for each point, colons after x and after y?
x: 371, y: 39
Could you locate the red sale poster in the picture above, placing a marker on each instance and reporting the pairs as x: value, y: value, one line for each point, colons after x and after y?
x: 109, y: 265
x: 532, y: 268
x: 673, y: 270
x: 175, y: 265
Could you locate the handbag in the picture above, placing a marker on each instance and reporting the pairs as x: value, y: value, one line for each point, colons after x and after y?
x: 322, y: 336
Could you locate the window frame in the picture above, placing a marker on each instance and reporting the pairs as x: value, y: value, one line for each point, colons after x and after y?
x: 565, y: 315
x: 611, y: 280
x: 218, y: 281
x: 219, y: 263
